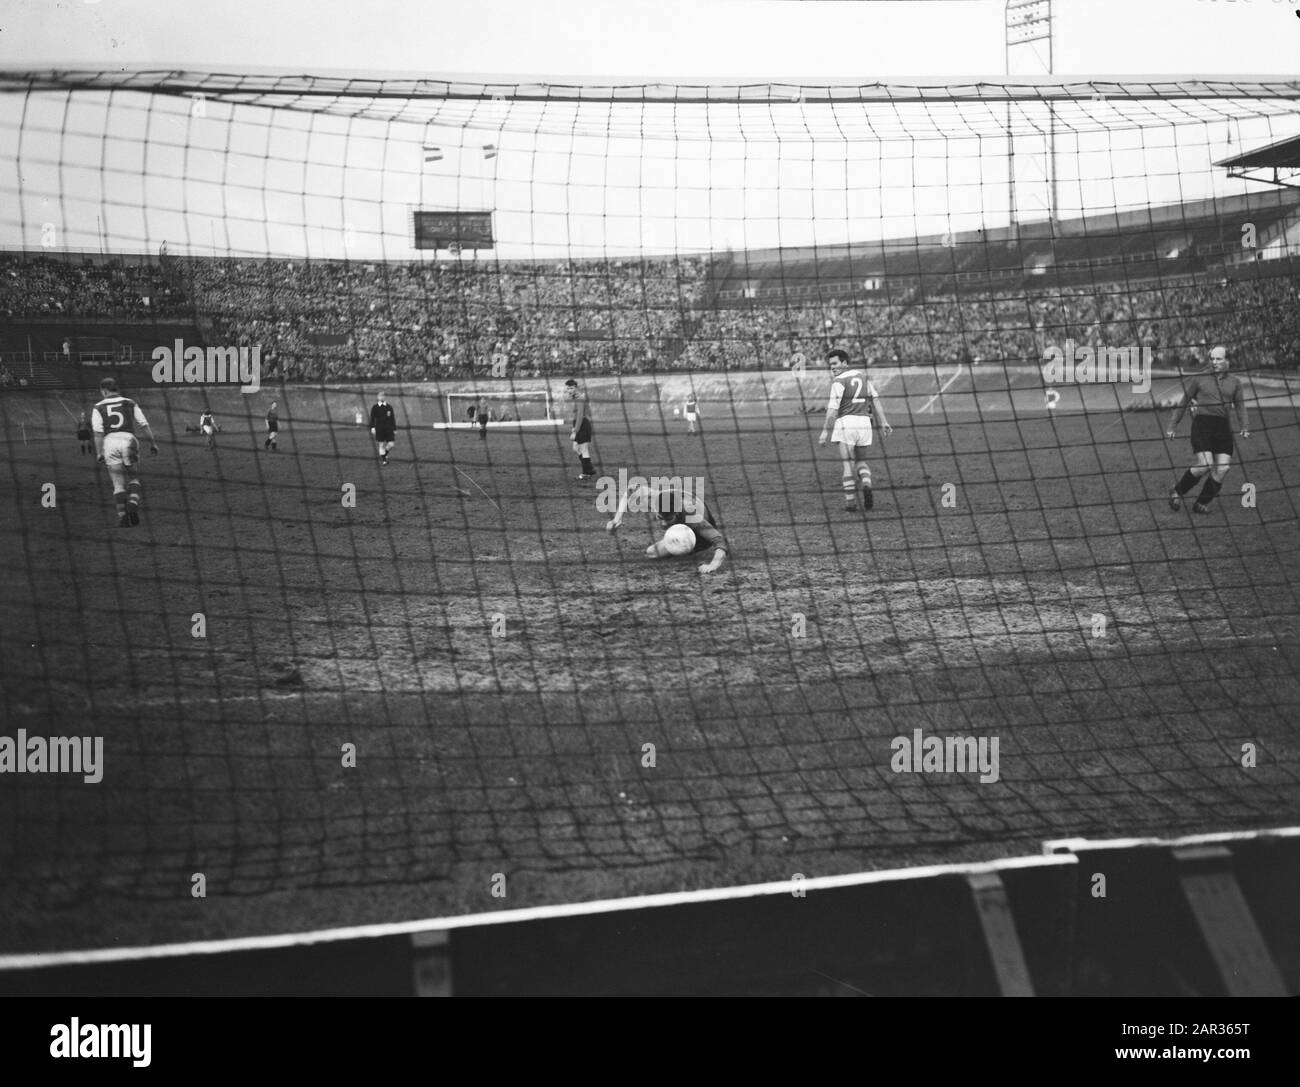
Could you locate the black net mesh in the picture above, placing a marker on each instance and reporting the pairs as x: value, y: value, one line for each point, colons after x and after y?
x: 347, y: 682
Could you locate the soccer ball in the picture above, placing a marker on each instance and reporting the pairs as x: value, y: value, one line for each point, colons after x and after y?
x: 679, y: 540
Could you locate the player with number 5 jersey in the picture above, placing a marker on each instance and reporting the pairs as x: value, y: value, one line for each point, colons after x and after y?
x: 115, y: 420
x: 853, y: 407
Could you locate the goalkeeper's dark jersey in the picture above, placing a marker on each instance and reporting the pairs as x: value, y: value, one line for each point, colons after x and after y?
x: 1217, y: 395
x: 677, y: 508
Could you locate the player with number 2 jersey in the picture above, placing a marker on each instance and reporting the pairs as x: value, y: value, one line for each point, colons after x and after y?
x: 854, y: 405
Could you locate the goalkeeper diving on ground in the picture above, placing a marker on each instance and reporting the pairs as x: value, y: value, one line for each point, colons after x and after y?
x: 675, y: 505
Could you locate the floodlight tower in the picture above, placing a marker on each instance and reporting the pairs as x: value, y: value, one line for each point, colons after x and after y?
x: 1028, y: 45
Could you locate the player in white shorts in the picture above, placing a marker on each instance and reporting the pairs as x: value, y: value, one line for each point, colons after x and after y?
x: 114, y: 421
x: 853, y: 404
x: 208, y: 428
x: 692, y: 411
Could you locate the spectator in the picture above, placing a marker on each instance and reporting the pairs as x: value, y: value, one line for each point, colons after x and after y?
x: 416, y: 320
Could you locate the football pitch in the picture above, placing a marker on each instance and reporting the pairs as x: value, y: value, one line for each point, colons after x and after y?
x: 348, y: 693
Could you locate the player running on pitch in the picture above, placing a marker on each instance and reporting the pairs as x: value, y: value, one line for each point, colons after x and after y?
x: 208, y: 428
x: 853, y: 404
x: 692, y: 412
x: 272, y: 427
x: 84, y: 433
x: 1220, y: 413
x: 675, y: 505
x: 115, y: 420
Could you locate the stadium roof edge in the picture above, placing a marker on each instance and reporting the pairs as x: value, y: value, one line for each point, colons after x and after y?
x: 347, y: 83
x: 1156, y: 216
x: 1284, y: 154
x: 1103, y: 221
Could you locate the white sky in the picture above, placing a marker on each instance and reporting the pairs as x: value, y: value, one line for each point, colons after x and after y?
x: 711, y: 39
x: 110, y: 171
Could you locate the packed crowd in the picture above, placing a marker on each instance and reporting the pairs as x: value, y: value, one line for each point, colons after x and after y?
x: 339, y: 320
x: 1259, y: 316
x: 37, y: 286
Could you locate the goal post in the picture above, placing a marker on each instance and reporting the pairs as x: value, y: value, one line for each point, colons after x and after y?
x: 506, y: 407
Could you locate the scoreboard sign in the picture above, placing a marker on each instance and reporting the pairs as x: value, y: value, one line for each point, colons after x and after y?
x: 453, y: 230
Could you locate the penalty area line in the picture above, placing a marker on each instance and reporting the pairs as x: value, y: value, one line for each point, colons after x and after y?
x: 942, y: 389
x: 480, y: 490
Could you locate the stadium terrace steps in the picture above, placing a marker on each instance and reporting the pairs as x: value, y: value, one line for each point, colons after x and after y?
x: 35, y: 375
x: 62, y: 375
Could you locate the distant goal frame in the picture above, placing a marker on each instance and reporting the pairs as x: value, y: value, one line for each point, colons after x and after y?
x: 452, y: 422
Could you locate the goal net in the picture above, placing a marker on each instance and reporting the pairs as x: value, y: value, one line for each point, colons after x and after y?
x: 500, y: 407
x: 331, y: 669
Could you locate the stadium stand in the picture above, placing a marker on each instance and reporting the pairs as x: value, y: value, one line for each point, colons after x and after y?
x: 1174, y: 284
x: 84, y: 286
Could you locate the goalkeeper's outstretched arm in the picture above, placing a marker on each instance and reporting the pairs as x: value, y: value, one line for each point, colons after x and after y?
x: 635, y: 490
x: 719, y: 557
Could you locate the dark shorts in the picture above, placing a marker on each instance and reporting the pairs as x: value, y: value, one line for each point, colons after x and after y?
x: 273, y: 428
x: 1211, y: 434
x: 83, y: 435
x: 584, y: 432
x: 707, y: 534
x: 385, y: 435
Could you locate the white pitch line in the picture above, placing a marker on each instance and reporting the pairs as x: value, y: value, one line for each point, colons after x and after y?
x: 268, y: 695
x: 1120, y: 417
x: 43, y: 959
x: 942, y: 389
x: 64, y: 406
x: 480, y: 490
x: 1079, y: 845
